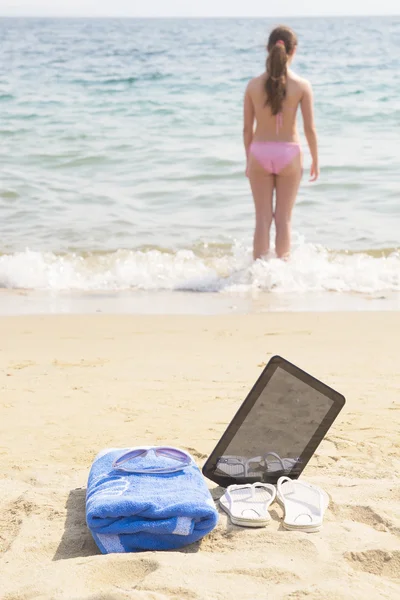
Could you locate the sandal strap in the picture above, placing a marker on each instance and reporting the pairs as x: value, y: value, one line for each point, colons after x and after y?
x: 283, y: 480
x: 252, y: 487
x: 231, y: 488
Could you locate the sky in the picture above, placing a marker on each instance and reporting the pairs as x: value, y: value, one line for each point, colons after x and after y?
x: 194, y: 8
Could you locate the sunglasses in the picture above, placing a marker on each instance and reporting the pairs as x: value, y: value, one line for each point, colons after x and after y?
x: 166, y: 454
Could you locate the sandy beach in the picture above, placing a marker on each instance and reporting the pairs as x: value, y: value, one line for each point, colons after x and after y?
x: 73, y: 385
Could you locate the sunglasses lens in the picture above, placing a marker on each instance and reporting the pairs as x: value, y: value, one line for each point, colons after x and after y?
x: 174, y: 454
x: 129, y: 456
x: 141, y: 460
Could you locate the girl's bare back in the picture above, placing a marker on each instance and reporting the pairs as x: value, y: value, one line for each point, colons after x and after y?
x: 297, y: 93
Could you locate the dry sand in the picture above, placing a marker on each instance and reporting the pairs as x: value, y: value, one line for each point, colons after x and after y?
x: 71, y: 386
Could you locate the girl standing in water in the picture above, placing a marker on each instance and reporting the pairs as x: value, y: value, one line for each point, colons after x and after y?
x: 274, y: 157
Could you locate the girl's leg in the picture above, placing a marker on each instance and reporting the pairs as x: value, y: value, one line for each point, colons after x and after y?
x: 262, y: 186
x: 287, y: 186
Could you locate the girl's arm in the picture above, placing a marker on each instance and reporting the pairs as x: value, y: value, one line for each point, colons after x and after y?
x: 307, y: 110
x: 248, y: 121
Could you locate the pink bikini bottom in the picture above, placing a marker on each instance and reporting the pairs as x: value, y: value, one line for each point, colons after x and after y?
x: 274, y: 156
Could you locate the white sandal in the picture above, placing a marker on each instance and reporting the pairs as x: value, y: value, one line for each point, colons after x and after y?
x: 247, y: 505
x: 304, y: 504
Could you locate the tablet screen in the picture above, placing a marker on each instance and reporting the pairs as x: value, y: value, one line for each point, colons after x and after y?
x: 284, y: 421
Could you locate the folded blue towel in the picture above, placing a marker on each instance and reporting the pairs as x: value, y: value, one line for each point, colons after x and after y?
x: 132, y: 512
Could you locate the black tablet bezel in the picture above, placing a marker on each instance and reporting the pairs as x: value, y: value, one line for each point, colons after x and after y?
x: 275, y: 362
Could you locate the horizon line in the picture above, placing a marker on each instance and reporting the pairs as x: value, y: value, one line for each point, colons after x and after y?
x: 319, y: 16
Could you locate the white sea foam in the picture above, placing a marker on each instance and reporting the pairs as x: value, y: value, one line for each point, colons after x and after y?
x: 310, y: 269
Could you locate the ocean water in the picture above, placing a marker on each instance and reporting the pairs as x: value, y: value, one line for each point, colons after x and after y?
x: 122, y: 165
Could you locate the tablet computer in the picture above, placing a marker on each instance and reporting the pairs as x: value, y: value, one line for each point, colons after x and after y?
x: 277, y: 429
